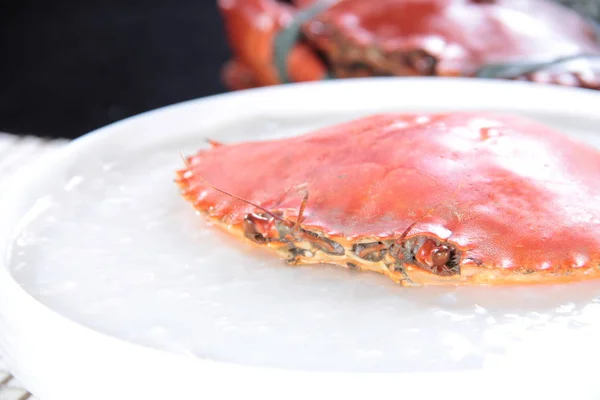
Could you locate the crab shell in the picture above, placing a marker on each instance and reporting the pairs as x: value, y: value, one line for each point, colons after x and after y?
x: 508, y: 199
x: 354, y: 38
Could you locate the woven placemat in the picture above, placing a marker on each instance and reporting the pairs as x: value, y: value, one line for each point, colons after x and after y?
x: 16, y: 154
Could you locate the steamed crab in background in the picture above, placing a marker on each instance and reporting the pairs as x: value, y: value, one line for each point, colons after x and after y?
x: 276, y: 42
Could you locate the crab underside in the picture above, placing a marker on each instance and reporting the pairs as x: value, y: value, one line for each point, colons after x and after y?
x: 399, y: 262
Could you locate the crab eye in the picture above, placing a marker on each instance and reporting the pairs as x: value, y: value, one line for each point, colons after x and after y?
x: 440, y: 256
x: 436, y: 258
x: 252, y: 223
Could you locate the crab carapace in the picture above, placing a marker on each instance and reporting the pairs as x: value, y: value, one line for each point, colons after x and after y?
x: 424, y: 198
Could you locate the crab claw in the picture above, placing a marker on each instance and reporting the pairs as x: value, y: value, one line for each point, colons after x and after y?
x: 252, y: 27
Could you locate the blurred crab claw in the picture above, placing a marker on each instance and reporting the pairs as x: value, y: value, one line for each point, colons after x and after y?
x: 252, y: 28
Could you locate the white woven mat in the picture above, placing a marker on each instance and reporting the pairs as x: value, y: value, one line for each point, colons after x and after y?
x: 17, y: 153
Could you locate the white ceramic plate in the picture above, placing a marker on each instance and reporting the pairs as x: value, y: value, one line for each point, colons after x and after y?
x: 111, y: 287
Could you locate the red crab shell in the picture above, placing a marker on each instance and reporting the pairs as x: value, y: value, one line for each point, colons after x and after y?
x: 513, y: 200
x: 408, y: 37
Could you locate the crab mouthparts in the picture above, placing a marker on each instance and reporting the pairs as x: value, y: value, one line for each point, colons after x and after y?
x: 392, y: 257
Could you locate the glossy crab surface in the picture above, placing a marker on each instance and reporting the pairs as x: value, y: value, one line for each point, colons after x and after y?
x: 448, y: 37
x: 424, y: 198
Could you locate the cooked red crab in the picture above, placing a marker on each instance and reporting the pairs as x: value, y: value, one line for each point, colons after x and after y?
x: 424, y: 198
x: 536, y: 40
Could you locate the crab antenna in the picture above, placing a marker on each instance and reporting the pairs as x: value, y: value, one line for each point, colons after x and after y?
x: 301, y: 212
x: 407, y: 230
x: 234, y: 196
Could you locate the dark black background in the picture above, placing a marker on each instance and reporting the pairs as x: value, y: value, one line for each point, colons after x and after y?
x: 70, y: 66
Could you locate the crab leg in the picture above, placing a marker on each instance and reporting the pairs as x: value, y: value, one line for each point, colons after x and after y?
x: 370, y: 251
